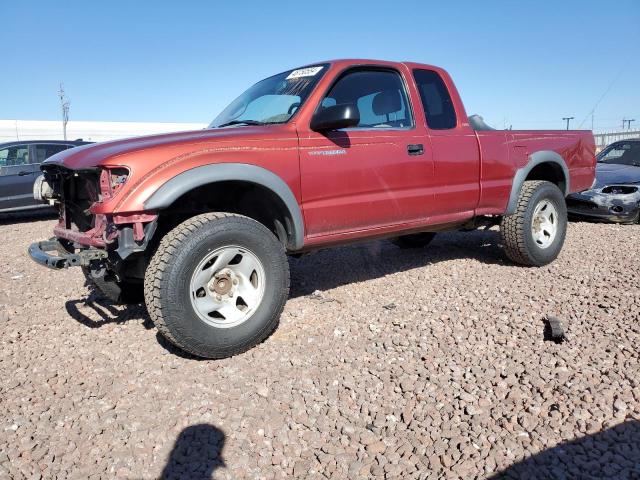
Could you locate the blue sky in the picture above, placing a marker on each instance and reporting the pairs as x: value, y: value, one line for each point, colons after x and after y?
x: 526, y: 64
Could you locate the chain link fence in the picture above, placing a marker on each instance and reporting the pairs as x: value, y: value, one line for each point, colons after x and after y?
x: 605, y: 138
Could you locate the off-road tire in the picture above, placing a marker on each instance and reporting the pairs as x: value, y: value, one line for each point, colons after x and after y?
x: 167, y: 279
x: 120, y: 293
x: 414, y: 240
x: 515, y: 229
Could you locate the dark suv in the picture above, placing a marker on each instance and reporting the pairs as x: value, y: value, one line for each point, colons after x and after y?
x: 20, y: 166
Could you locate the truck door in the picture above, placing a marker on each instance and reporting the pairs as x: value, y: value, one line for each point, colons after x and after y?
x: 372, y: 175
x: 456, y: 159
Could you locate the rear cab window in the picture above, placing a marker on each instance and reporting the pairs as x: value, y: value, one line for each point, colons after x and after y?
x: 436, y: 101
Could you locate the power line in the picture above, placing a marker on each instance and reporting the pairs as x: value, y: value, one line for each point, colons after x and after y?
x: 601, y: 98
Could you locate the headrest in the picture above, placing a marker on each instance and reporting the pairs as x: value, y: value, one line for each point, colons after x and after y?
x: 386, y: 102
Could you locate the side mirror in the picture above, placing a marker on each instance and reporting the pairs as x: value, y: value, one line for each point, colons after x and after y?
x: 343, y: 115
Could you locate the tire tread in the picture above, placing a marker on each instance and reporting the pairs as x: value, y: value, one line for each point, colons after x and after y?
x: 157, y: 270
x: 513, y: 227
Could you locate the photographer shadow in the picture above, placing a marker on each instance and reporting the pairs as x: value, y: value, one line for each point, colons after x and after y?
x: 613, y: 453
x: 196, y: 455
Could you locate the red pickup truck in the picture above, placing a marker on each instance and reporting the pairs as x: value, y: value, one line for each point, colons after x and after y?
x: 201, y: 222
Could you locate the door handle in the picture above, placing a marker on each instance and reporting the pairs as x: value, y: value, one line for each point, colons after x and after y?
x: 415, y: 149
x: 23, y: 173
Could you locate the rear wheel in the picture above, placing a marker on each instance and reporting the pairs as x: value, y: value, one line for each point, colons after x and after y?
x: 414, y: 240
x: 534, y: 234
x: 217, y: 284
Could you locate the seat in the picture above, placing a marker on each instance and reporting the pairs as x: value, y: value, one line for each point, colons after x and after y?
x: 386, y: 102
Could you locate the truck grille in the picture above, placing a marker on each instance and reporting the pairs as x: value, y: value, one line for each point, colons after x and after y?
x: 76, y: 191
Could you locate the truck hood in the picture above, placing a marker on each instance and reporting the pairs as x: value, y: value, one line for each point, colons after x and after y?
x: 168, y: 145
x: 613, y: 173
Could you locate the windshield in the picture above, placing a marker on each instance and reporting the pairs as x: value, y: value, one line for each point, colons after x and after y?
x: 623, y: 153
x: 273, y: 100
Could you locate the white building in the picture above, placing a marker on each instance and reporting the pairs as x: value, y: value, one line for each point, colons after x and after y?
x: 11, y: 130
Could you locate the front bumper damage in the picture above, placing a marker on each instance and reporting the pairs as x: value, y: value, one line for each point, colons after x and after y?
x: 606, y: 207
x: 107, y: 244
x: 52, y: 254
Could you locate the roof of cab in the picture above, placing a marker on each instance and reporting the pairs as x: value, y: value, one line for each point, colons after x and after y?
x: 371, y: 61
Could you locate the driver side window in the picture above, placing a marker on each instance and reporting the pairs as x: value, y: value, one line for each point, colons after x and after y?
x: 379, y: 95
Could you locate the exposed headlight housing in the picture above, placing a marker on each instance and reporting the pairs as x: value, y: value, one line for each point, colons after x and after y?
x: 42, y: 191
x: 619, y: 189
x: 111, y: 180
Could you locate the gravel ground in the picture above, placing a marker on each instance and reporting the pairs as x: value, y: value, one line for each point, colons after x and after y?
x: 387, y: 363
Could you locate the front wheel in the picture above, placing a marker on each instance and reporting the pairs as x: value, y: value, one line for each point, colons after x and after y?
x: 217, y: 284
x: 534, y: 234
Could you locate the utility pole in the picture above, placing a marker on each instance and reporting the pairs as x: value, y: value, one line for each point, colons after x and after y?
x: 64, y: 107
x: 627, y: 121
x: 568, y: 119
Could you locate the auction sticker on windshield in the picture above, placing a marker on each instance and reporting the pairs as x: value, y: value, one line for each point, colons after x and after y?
x: 304, y: 72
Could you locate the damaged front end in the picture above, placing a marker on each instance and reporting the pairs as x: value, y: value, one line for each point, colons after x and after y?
x: 109, y: 246
x: 611, y: 203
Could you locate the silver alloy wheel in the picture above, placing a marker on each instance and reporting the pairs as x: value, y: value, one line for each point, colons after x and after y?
x: 227, y: 286
x: 544, y: 223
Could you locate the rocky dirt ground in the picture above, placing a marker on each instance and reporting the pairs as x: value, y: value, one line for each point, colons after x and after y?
x: 387, y: 363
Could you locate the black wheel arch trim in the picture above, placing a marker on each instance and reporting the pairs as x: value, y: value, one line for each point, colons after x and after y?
x: 186, y: 181
x: 535, y: 159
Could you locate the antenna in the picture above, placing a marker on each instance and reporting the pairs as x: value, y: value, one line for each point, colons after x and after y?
x: 64, y: 107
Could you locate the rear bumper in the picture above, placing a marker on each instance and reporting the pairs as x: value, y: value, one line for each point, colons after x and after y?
x: 51, y: 254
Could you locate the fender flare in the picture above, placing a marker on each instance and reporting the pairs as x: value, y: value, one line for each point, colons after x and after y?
x: 535, y: 159
x: 186, y: 181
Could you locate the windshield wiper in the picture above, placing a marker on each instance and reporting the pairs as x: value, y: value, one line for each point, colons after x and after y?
x: 240, y: 122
